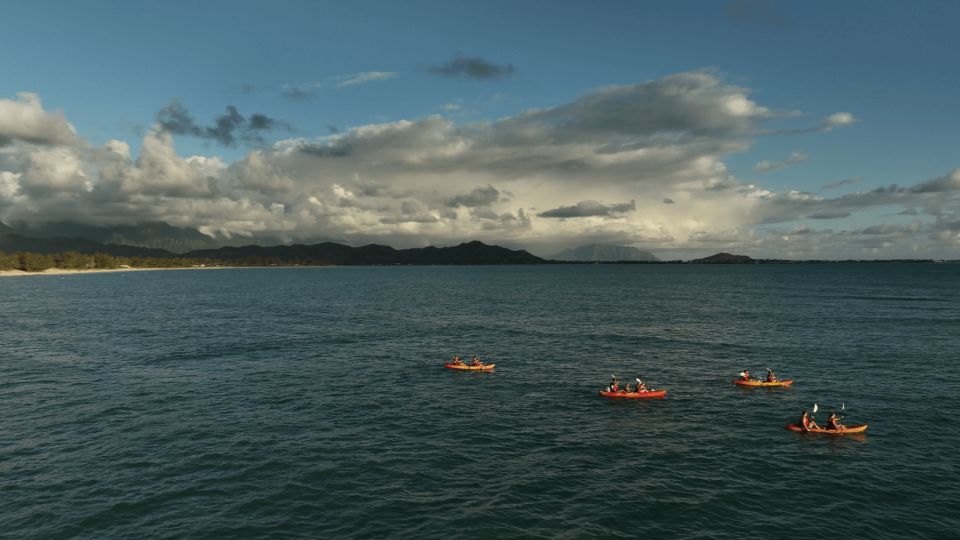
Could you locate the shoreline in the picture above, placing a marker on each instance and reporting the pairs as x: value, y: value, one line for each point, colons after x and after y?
x: 68, y: 272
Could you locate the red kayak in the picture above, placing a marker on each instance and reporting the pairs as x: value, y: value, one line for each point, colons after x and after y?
x: 635, y: 395
x: 856, y: 428
x: 785, y: 383
x: 468, y: 367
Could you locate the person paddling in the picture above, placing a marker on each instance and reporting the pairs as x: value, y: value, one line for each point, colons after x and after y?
x: 771, y: 376
x: 641, y: 386
x: 833, y: 422
x: 744, y: 375
x: 457, y: 361
x: 476, y: 360
x: 614, y: 384
x: 806, y: 422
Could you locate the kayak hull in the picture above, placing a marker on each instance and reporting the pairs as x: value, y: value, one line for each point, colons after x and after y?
x: 856, y: 428
x: 635, y: 395
x: 785, y: 383
x: 468, y: 367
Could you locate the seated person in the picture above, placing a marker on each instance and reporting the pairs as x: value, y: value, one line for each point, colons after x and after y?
x: 771, y: 376
x: 833, y: 421
x: 456, y: 360
x: 641, y: 386
x: 744, y: 375
x: 806, y: 422
x: 476, y: 361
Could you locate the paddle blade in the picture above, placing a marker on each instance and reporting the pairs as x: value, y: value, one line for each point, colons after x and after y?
x: 815, y: 407
x: 843, y: 406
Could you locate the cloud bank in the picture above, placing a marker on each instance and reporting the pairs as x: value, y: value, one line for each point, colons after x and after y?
x: 599, y: 168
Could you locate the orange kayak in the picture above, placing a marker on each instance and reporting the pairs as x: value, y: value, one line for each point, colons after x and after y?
x: 787, y: 382
x: 856, y: 428
x: 468, y: 367
x: 635, y: 395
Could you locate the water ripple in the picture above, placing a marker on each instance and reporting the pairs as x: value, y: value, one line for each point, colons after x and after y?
x: 310, y: 402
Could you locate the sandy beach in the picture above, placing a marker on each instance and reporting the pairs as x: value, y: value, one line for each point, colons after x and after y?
x: 63, y: 272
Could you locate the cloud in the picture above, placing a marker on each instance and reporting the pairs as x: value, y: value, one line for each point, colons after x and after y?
x: 829, y: 214
x: 227, y: 129
x: 840, y: 183
x: 589, y: 209
x: 481, y: 196
x: 298, y: 93
x: 23, y: 119
x: 668, y: 200
x: 513, y: 181
x: 829, y: 123
x: 472, y: 67
x: 309, y: 91
x: 837, y: 120
x: 947, y: 182
x: 769, y: 166
x: 365, y: 77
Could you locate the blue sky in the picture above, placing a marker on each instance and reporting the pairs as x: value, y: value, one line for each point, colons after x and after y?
x: 110, y: 67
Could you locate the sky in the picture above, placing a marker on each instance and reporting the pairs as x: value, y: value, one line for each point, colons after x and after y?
x: 802, y: 130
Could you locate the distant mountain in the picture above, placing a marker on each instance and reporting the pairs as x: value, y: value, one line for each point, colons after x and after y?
x: 157, y: 235
x: 725, y: 258
x: 12, y: 243
x: 605, y: 252
x: 329, y: 253
x: 326, y: 253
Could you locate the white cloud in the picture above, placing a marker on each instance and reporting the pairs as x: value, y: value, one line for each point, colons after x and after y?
x: 365, y: 77
x: 596, y: 169
x: 836, y: 120
x: 769, y: 166
x: 24, y: 119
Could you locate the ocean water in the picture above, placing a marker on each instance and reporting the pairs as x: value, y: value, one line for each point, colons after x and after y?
x: 311, y: 403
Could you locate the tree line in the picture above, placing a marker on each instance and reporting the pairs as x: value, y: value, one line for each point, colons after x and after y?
x: 72, y: 260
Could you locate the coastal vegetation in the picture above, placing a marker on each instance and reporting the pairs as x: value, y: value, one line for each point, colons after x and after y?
x: 72, y: 260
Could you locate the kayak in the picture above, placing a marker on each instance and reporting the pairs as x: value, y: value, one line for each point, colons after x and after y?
x: 856, y: 428
x: 635, y: 395
x: 787, y: 382
x: 468, y: 367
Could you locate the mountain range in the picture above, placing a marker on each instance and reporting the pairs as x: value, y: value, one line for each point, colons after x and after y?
x: 605, y: 253
x: 157, y: 235
x: 326, y: 253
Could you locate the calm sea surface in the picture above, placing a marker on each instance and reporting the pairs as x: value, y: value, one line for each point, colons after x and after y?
x: 312, y: 403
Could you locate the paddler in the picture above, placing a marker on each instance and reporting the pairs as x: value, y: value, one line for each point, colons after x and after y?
x: 771, y: 376
x: 833, y: 422
x: 614, y: 384
x: 476, y: 360
x: 641, y: 386
x: 457, y: 361
x: 744, y: 375
x: 806, y: 422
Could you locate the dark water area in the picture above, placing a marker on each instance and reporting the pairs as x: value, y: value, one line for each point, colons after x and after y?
x: 311, y: 403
